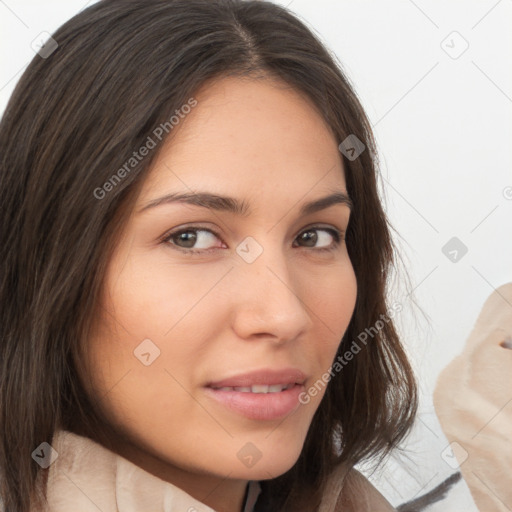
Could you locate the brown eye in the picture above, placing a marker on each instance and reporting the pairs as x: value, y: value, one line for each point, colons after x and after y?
x: 194, y: 239
x: 185, y: 239
x: 309, y: 238
x: 320, y: 238
x: 198, y: 240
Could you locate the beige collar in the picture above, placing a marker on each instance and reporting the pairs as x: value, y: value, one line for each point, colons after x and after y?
x: 87, y: 477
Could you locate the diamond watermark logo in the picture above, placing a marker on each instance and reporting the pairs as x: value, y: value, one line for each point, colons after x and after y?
x: 45, y: 455
x: 249, y: 250
x: 249, y: 455
x: 454, y: 249
x: 146, y: 352
x: 454, y: 45
x: 352, y: 147
x: 454, y: 455
x: 44, y: 45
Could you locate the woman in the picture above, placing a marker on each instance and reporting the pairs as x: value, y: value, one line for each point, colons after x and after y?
x: 195, y: 261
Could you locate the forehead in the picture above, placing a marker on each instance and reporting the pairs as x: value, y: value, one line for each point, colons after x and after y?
x: 246, y: 135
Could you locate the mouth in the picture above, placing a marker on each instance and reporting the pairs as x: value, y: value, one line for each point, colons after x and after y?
x: 261, y: 395
x: 260, y: 380
x: 257, y: 388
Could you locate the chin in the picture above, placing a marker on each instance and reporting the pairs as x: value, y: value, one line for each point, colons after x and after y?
x: 270, y: 469
x: 263, y: 460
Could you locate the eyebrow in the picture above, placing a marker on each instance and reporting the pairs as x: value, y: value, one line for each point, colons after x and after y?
x: 232, y: 205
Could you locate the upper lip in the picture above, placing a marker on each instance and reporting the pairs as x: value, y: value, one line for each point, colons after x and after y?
x: 262, y: 377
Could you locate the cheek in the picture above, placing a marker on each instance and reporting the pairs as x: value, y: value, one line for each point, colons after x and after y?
x: 331, y: 299
x: 152, y: 298
x: 155, y: 324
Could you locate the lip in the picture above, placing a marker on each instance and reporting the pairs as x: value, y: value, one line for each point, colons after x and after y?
x: 262, y: 377
x: 260, y: 406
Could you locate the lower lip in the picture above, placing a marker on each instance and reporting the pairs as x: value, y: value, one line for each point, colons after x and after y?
x: 259, y: 406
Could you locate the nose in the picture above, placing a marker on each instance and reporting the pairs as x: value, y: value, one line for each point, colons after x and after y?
x: 268, y: 299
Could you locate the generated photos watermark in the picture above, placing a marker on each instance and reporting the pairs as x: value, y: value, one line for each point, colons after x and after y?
x: 343, y: 359
x: 151, y: 143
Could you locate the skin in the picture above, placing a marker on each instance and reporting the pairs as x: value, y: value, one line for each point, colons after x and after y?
x: 213, y: 315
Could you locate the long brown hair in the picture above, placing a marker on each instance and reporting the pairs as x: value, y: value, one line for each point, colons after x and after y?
x: 121, y: 68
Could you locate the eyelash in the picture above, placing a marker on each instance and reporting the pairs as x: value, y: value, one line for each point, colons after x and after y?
x: 336, y: 234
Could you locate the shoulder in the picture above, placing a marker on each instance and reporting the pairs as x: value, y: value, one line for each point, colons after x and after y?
x: 350, y: 491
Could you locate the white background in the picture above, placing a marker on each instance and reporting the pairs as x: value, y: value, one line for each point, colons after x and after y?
x: 444, y: 134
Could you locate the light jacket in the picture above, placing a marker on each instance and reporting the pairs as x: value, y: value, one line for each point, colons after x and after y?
x: 473, y: 401
x: 87, y: 477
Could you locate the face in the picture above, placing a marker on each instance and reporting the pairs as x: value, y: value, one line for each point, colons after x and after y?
x: 216, y: 317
